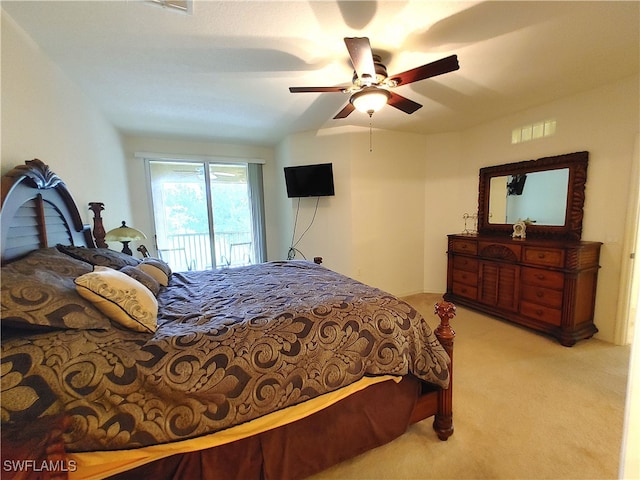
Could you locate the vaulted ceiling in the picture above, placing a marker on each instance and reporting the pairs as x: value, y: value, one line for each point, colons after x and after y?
x: 222, y: 72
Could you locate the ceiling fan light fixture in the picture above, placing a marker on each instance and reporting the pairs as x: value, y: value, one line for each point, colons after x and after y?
x: 369, y: 100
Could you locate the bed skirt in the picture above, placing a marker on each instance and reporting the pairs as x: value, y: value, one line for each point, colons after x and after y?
x: 358, y: 423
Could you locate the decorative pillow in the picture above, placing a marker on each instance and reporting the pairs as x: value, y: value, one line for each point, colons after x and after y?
x: 142, y: 277
x: 103, y: 257
x: 38, y: 293
x: 120, y: 297
x: 157, y: 268
x: 52, y: 260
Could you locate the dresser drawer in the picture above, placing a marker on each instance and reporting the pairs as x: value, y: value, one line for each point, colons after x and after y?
x: 541, y: 295
x: 547, y: 257
x: 542, y: 278
x: 464, y: 246
x: 465, y: 263
x: 541, y: 312
x: 468, y: 278
x: 465, y: 290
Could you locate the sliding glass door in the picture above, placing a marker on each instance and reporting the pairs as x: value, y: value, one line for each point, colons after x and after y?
x: 207, y: 214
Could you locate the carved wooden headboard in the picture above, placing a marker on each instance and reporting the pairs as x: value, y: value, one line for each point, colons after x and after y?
x: 38, y: 212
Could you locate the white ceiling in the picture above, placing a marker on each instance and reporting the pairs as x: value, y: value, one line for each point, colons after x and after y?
x: 223, y: 72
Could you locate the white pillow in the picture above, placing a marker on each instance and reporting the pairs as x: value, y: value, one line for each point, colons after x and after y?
x: 120, y: 297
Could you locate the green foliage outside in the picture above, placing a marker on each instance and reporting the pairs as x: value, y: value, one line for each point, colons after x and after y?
x: 186, y: 208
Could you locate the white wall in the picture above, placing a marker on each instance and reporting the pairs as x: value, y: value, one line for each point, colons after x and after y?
x: 451, y: 190
x: 387, y: 201
x: 372, y: 229
x: 46, y: 116
x: 329, y: 236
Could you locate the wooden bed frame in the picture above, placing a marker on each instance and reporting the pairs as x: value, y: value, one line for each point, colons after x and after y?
x: 38, y: 212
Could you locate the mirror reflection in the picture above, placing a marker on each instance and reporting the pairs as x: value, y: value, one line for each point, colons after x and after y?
x: 537, y: 197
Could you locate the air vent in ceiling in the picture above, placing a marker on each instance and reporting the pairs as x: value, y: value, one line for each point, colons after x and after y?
x: 182, y: 6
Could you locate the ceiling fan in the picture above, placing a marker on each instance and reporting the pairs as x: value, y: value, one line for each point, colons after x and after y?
x: 370, y: 88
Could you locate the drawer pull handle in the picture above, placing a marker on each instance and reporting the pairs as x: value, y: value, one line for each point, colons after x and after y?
x: 539, y: 312
x: 539, y: 294
x: 540, y: 276
x: 541, y: 255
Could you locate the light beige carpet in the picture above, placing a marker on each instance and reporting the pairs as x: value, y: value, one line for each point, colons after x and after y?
x: 525, y: 407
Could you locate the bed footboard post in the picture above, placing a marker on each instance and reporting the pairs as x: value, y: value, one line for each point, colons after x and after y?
x: 443, y: 423
x: 98, y: 228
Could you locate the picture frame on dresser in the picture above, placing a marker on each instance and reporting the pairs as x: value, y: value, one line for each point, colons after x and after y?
x: 545, y: 280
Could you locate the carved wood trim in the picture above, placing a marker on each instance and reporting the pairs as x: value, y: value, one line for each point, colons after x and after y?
x: 577, y: 164
x: 443, y: 421
x: 99, y: 233
x: 498, y: 252
x: 35, y: 182
x: 35, y: 172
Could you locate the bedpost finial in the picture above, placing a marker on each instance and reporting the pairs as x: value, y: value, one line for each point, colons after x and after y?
x: 446, y: 311
x: 96, y: 207
x: 99, y: 232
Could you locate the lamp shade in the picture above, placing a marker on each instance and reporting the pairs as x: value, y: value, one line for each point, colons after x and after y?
x: 124, y: 234
x: 370, y: 99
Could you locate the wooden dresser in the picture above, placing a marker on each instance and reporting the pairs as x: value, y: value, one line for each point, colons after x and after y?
x: 547, y: 285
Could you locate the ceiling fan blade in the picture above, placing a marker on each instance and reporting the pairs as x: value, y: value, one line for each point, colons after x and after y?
x: 402, y: 103
x: 361, y: 56
x: 348, y: 108
x: 444, y: 65
x: 315, y: 89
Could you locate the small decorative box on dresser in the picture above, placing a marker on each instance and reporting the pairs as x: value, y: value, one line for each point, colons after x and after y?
x: 548, y: 285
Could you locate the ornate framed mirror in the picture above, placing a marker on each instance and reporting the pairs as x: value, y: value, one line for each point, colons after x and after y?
x: 547, y: 194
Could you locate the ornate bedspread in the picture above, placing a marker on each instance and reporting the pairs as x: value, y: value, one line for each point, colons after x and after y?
x: 231, y: 345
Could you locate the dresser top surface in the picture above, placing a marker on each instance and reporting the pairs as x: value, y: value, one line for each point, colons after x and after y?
x: 525, y: 242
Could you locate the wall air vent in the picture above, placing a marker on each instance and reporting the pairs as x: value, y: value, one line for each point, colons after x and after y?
x: 182, y: 6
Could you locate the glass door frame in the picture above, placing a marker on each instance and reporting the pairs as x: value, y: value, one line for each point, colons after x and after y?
x: 207, y: 161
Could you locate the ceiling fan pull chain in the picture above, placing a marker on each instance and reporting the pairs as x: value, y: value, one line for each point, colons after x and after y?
x: 370, y: 136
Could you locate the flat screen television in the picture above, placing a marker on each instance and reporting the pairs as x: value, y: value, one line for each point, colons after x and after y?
x: 309, y: 180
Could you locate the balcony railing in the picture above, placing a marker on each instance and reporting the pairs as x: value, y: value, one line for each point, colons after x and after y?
x: 191, y: 251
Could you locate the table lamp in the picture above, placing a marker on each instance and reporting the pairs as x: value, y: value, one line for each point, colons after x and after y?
x: 125, y: 235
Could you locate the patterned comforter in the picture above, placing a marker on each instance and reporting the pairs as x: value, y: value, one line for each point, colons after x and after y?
x: 231, y: 345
